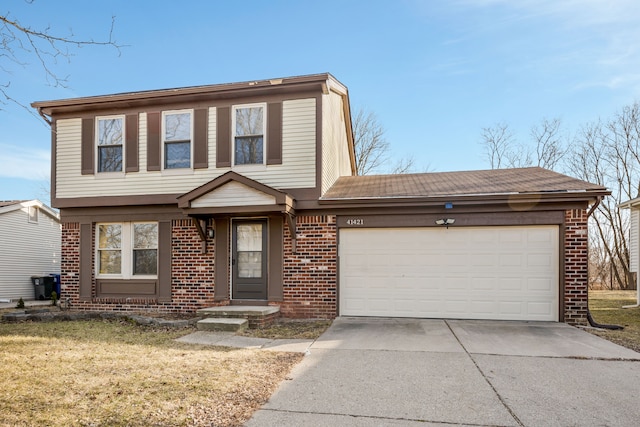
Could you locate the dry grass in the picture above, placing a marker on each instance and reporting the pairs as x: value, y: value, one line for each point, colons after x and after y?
x: 93, y: 373
x: 290, y: 329
x: 606, y: 307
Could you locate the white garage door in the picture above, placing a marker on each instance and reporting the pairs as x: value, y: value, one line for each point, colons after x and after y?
x: 508, y: 273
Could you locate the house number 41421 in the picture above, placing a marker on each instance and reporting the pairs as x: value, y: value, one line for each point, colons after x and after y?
x: 355, y: 221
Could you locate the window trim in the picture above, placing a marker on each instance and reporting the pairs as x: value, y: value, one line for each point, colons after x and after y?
x: 33, y: 219
x: 255, y: 166
x: 126, y: 251
x: 123, y: 145
x: 163, y: 141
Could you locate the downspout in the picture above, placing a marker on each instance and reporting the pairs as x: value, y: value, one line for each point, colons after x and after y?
x: 592, y: 322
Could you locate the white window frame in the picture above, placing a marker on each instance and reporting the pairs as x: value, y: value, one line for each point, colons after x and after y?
x: 33, y: 219
x: 255, y: 166
x: 163, y: 134
x: 97, y: 144
x: 126, y: 254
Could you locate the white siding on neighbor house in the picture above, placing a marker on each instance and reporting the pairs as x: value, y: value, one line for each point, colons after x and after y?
x: 335, y: 148
x: 296, y: 171
x: 26, y: 249
x: 233, y: 194
x: 634, y: 252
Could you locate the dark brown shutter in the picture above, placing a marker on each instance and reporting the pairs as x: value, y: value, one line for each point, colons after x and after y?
x: 276, y: 259
x: 221, y: 274
x: 153, y: 141
x: 223, y: 137
x: 274, y: 133
x: 86, y: 255
x: 164, y: 261
x: 88, y: 136
x: 131, y: 143
x: 200, y: 152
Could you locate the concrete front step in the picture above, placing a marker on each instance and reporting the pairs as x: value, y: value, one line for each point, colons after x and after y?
x: 258, y: 316
x: 220, y: 324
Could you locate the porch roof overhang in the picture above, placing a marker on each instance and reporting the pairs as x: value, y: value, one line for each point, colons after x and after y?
x: 235, y: 194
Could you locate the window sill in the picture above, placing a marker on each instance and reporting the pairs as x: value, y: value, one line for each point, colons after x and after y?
x: 249, y: 168
x: 177, y: 172
x: 109, y: 175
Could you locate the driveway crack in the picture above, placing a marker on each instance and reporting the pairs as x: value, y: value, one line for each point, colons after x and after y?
x: 506, y: 406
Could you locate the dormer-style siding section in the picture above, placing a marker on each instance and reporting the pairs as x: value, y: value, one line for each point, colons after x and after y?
x: 336, y: 142
x: 160, y: 144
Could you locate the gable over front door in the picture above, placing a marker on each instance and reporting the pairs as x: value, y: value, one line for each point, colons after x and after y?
x: 249, y: 259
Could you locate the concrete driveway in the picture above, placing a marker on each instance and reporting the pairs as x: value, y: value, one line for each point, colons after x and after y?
x: 406, y: 372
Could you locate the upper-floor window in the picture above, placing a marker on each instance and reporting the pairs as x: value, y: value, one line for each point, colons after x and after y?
x: 177, y: 131
x: 127, y: 250
x: 249, y: 134
x: 110, y: 142
x: 33, y: 214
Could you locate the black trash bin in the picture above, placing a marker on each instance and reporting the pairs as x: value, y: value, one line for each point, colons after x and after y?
x: 42, y: 286
x: 38, y: 287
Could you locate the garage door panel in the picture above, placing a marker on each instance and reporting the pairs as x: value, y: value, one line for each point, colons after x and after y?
x: 474, y: 273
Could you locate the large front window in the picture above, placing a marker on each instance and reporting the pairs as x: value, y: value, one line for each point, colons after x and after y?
x: 249, y: 131
x: 177, y: 140
x: 110, y: 140
x: 127, y: 250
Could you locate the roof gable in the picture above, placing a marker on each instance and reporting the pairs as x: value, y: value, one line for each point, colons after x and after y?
x: 233, y: 193
x: 14, y: 205
x: 233, y: 189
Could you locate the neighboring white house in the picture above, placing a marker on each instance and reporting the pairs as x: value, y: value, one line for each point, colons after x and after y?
x: 634, y: 239
x: 30, y: 235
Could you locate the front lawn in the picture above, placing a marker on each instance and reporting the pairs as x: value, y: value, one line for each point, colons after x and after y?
x: 113, y: 373
x: 606, y: 307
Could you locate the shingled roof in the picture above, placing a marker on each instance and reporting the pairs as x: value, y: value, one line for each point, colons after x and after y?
x: 449, y: 184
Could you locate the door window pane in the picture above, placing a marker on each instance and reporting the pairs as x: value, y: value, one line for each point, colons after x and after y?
x: 249, y: 248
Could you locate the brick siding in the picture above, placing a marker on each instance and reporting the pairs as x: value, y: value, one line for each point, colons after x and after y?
x: 310, y: 274
x: 576, y: 260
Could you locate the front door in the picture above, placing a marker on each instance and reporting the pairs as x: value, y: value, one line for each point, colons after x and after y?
x: 249, y: 260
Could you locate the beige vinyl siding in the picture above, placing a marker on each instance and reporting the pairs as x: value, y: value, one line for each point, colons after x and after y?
x: 634, y: 252
x: 233, y: 194
x: 296, y: 171
x: 26, y: 249
x: 335, y: 148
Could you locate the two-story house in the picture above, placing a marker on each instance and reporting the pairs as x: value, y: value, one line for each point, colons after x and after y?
x: 245, y: 193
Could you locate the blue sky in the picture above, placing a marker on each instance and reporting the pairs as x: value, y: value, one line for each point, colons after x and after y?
x: 434, y: 72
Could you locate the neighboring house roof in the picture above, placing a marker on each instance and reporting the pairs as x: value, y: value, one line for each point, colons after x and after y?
x: 495, y: 182
x: 633, y: 203
x: 13, y: 205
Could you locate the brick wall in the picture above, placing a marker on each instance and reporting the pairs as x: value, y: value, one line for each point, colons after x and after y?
x: 192, y: 271
x: 310, y: 274
x: 192, y: 285
x: 576, y: 276
x: 70, y: 262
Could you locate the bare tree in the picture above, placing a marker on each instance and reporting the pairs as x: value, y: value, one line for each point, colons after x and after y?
x: 499, y: 144
x: 607, y: 154
x: 22, y: 45
x: 503, y: 151
x: 372, y: 148
x: 550, y: 149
